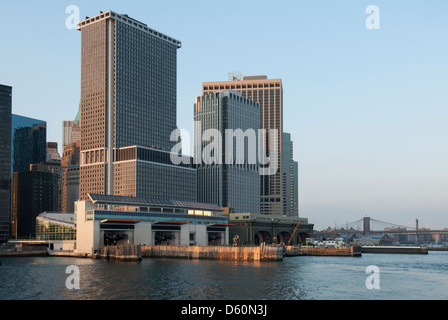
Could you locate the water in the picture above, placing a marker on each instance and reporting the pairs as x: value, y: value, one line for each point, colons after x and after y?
x: 402, y: 277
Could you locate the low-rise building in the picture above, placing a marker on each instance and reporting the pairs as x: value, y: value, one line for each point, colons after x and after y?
x: 57, y: 230
x: 253, y: 229
x: 110, y: 220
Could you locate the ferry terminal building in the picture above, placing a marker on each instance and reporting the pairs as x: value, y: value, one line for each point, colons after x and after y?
x: 109, y: 220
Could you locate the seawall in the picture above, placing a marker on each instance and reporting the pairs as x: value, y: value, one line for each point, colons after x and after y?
x: 352, y: 251
x: 122, y: 253
x: 23, y: 254
x: 394, y: 250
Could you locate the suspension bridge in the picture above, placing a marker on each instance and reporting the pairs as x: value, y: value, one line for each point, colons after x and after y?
x: 414, y: 231
x: 368, y: 225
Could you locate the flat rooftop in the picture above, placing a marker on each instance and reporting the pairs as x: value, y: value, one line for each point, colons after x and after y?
x: 129, y: 21
x: 101, y: 199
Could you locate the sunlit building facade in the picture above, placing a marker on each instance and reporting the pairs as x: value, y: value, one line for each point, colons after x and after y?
x: 128, y: 111
x: 55, y: 226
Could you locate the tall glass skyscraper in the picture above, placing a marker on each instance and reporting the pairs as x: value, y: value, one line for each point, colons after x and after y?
x: 34, y: 192
x: 28, y: 146
x: 29, y: 142
x: 290, y: 177
x: 232, y: 180
x: 5, y: 160
x: 128, y: 110
x: 269, y: 94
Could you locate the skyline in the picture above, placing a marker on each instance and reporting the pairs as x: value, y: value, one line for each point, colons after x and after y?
x: 354, y: 160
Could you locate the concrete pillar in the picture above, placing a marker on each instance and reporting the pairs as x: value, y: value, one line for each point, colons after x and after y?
x: 143, y: 234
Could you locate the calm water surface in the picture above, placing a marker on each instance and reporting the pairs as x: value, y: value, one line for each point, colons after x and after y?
x: 418, y: 277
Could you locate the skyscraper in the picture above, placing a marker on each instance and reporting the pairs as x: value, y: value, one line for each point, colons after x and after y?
x: 52, y: 153
x: 71, y: 130
x: 28, y: 145
x: 34, y: 192
x: 29, y: 189
x: 288, y: 187
x: 269, y: 94
x: 70, y: 156
x: 70, y: 177
x: 232, y: 180
x: 290, y: 177
x: 296, y: 188
x: 70, y: 188
x: 128, y: 111
x: 5, y: 160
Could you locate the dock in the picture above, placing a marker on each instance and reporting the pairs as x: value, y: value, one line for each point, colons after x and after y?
x: 345, y: 251
x: 394, y: 249
x: 228, y: 253
x: 438, y: 248
x: 128, y: 252
x: 260, y: 253
x: 23, y: 254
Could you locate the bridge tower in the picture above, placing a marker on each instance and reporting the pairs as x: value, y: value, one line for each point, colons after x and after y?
x: 416, y: 231
x: 366, y: 226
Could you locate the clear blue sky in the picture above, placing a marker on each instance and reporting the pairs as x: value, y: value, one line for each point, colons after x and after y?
x: 367, y: 109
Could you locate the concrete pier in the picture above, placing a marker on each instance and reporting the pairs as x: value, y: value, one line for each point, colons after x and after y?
x: 394, y: 250
x: 352, y: 251
x: 23, y: 254
x: 137, y: 252
x: 250, y: 253
x: 122, y: 253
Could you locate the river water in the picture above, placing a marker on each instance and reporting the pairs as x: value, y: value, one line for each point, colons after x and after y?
x: 402, y: 277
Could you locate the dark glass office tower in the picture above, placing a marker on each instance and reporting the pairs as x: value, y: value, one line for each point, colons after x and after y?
x: 233, y: 182
x: 29, y: 142
x: 5, y: 160
x: 34, y: 192
x: 28, y: 146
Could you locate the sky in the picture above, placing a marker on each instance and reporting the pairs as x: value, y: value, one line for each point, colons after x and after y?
x: 367, y: 109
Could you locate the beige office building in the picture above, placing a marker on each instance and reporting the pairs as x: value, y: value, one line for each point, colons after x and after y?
x: 128, y: 111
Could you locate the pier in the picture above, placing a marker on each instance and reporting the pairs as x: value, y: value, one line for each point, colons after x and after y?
x: 437, y: 248
x: 346, y: 251
x: 244, y: 253
x: 19, y: 254
x: 394, y: 249
x: 261, y: 253
x: 121, y: 253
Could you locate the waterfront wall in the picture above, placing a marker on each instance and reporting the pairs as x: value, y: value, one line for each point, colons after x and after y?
x: 12, y: 254
x: 251, y: 253
x: 437, y: 248
x: 394, y: 250
x: 123, y: 253
x: 352, y: 251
